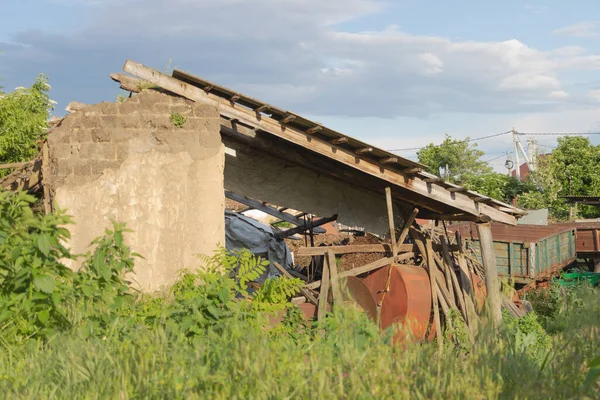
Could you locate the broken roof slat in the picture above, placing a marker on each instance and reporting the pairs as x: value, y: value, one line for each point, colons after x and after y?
x: 304, y: 124
x: 428, y: 195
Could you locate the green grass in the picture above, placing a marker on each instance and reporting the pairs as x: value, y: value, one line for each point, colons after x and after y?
x: 240, y: 359
x: 66, y: 335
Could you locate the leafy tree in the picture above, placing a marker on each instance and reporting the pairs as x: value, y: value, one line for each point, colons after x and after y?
x: 459, y: 160
x: 499, y: 186
x: 573, y: 168
x: 23, y: 121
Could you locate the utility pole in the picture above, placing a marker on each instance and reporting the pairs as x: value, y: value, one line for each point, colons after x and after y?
x: 517, y: 163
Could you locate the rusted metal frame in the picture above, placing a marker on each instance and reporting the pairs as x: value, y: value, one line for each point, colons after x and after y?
x: 261, y: 206
x: 300, y: 229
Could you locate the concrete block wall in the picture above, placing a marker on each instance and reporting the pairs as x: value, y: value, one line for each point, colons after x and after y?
x: 128, y: 161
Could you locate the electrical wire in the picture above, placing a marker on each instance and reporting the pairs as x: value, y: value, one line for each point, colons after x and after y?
x: 557, y: 133
x: 466, y: 140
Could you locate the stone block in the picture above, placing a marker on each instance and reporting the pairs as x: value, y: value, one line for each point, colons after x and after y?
x: 206, y: 111
x: 111, y: 121
x: 150, y: 97
x: 82, y: 136
x: 100, y: 135
x: 98, y: 167
x: 63, y: 167
x: 98, y: 151
x: 121, y: 135
x: 128, y: 107
x: 181, y: 108
x: 161, y: 108
x: 130, y: 121
x: 61, y: 151
x: 157, y: 121
x: 92, y: 122
x: 81, y: 168
x: 198, y: 124
x: 183, y: 137
x: 106, y: 108
x: 59, y: 137
x: 92, y: 112
x: 122, y: 151
x: 70, y: 122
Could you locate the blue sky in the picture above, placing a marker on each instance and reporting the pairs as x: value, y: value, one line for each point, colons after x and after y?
x: 397, y: 74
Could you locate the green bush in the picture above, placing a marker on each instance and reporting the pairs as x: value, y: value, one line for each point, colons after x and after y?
x: 211, y: 337
x: 23, y: 122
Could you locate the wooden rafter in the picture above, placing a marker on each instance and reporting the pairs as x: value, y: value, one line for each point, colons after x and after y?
x: 416, y: 184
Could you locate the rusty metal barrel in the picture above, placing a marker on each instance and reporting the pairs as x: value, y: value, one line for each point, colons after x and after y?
x: 408, y: 302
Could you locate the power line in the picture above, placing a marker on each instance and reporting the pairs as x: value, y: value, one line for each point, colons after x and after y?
x: 555, y: 133
x: 495, y: 158
x: 466, y: 140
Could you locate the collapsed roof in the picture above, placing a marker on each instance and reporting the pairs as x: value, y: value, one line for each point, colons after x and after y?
x: 273, y: 129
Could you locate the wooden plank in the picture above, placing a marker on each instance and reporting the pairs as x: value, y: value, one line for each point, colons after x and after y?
x: 129, y: 83
x: 259, y: 205
x: 364, y: 269
x: 17, y: 165
x: 322, y: 309
x: 390, y: 211
x: 46, y: 178
x: 446, y: 264
x: 304, y: 291
x: 486, y: 243
x: 414, y: 184
x: 407, y: 224
x: 428, y: 254
x: 355, y: 248
x: 333, y: 273
x: 458, y: 289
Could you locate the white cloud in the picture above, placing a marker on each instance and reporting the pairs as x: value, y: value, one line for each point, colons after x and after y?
x: 294, y: 53
x: 594, y: 94
x: 580, y: 29
x: 558, y: 94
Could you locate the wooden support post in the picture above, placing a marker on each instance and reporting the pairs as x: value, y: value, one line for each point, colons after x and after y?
x: 436, y: 311
x: 46, y: 178
x: 333, y: 273
x: 322, y: 310
x: 390, y: 210
x: 407, y: 224
x: 491, y: 272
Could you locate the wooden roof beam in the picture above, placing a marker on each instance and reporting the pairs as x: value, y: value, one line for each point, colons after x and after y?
x: 390, y: 160
x: 364, y: 150
x: 430, y: 194
x: 341, y: 140
x: 314, y: 129
x: 288, y: 118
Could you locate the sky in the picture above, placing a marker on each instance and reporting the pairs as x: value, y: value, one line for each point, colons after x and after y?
x: 395, y: 73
